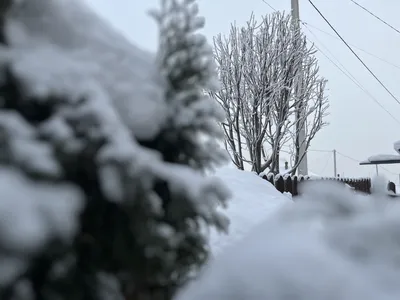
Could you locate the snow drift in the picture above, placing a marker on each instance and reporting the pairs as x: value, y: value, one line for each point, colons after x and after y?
x: 253, y: 201
x: 331, y: 244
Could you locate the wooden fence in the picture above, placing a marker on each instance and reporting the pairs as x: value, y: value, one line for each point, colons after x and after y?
x: 289, y: 184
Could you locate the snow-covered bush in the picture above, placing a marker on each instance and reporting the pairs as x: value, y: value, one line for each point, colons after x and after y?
x: 330, y: 244
x: 101, y: 153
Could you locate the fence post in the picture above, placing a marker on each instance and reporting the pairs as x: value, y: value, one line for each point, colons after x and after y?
x: 280, y: 184
x: 369, y: 185
x: 291, y: 184
x: 271, y: 179
x: 295, y: 185
x: 288, y: 185
x: 392, y: 187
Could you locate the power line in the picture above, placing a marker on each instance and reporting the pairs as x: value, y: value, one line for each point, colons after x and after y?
x: 354, y: 46
x: 353, y: 79
x: 318, y: 150
x: 326, y: 48
x: 355, y: 54
x: 383, y: 168
x: 344, y: 70
x: 348, y: 157
x: 357, y: 161
x: 333, y: 36
x: 365, y: 51
x: 375, y: 16
x: 270, y: 6
x: 328, y: 158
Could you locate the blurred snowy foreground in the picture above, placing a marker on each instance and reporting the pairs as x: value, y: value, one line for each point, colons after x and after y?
x: 85, y: 93
x: 329, y: 244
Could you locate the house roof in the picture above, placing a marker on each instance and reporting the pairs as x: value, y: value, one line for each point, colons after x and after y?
x: 381, y: 159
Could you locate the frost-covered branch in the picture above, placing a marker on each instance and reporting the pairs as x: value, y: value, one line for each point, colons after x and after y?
x: 312, y: 112
x: 260, y: 66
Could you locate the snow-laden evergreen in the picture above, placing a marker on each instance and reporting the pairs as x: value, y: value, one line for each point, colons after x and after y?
x: 102, y: 148
x: 186, y: 61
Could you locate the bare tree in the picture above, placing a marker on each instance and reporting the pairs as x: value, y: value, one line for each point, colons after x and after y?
x: 263, y: 73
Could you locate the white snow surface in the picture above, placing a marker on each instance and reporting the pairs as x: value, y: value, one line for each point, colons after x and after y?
x: 382, y: 157
x: 253, y: 201
x: 330, y: 244
x: 63, y: 47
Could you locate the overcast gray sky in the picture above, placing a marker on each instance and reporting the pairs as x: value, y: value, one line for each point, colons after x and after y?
x: 358, y: 126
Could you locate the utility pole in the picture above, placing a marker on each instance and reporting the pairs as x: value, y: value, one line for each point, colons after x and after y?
x: 295, y: 12
x: 303, y: 166
x: 334, y: 164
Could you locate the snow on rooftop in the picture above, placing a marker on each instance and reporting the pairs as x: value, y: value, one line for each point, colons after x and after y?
x: 382, y: 159
x: 102, y: 60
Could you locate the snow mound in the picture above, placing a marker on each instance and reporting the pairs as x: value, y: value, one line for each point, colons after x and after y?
x: 352, y: 254
x: 254, y: 200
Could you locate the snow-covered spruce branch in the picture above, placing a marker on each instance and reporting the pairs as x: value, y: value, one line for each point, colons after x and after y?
x: 4, y: 7
x: 99, y: 159
x: 186, y: 62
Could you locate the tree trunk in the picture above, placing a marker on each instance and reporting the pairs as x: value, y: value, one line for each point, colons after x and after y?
x: 258, y: 157
x: 277, y: 162
x: 239, y: 141
x: 230, y: 140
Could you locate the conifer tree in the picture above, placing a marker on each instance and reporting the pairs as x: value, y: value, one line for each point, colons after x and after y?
x: 93, y: 205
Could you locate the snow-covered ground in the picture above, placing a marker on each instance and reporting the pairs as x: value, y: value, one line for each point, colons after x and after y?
x: 253, y: 201
x: 353, y: 253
